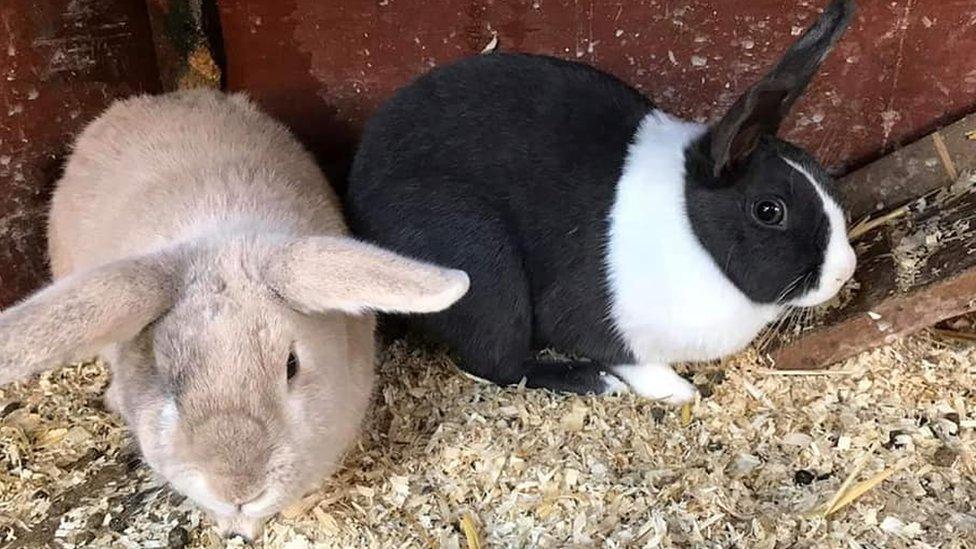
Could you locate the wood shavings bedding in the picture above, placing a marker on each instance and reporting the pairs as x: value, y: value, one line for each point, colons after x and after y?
x: 445, y: 460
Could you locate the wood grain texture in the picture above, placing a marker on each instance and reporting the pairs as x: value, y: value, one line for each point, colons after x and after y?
x: 62, y: 62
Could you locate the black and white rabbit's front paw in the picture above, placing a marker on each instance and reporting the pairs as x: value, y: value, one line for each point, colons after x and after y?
x: 656, y: 382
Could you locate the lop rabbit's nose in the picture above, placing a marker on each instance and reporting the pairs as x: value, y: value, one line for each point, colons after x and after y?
x: 233, y: 453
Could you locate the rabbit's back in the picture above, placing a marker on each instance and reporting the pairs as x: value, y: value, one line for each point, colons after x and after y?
x: 501, y: 126
x: 152, y: 170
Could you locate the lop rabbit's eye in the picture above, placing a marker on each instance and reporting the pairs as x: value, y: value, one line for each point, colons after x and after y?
x: 292, y: 366
x: 769, y: 211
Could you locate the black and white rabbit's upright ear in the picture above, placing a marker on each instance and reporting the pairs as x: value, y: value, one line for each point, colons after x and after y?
x: 761, y: 110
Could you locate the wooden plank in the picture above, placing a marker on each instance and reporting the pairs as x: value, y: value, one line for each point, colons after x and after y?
x: 62, y: 62
x: 911, y: 171
x: 185, y: 33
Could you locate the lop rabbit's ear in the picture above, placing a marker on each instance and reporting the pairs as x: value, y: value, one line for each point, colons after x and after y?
x: 761, y: 110
x: 75, y: 317
x: 320, y: 274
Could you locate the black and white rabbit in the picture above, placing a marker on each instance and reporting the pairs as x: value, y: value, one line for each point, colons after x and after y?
x: 595, y: 224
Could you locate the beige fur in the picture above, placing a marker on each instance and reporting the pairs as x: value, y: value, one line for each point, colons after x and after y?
x: 195, y: 244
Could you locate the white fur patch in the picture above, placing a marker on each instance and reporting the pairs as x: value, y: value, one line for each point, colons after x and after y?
x: 670, y: 301
x: 169, y: 415
x: 657, y: 382
x: 839, y: 258
x: 613, y: 385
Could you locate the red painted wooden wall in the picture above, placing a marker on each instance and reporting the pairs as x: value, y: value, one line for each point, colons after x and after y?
x: 905, y: 66
x: 61, y: 63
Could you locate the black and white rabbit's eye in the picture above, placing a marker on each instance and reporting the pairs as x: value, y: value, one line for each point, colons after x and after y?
x: 292, y: 366
x: 769, y: 211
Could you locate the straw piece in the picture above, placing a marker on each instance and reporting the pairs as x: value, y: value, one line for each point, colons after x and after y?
x: 859, y: 490
x: 492, y: 45
x: 868, y: 224
x: 850, y: 478
x: 470, y: 532
x: 944, y: 156
x: 201, y: 70
x: 301, y: 507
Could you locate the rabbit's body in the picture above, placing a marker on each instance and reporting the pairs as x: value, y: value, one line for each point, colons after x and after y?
x: 197, y: 248
x: 592, y: 223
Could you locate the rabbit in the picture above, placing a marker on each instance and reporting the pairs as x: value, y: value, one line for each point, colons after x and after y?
x: 595, y: 224
x: 197, y: 248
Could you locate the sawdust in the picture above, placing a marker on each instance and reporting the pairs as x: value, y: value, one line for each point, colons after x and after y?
x: 444, y: 460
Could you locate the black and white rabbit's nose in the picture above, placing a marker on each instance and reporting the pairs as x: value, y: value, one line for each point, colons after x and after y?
x: 852, y: 266
x: 844, y: 269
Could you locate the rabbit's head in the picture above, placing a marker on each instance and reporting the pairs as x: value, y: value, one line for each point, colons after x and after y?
x: 765, y: 209
x: 244, y: 366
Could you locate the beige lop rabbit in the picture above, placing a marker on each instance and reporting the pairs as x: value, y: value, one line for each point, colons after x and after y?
x: 198, y: 249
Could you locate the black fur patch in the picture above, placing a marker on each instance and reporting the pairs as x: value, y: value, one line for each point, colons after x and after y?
x: 504, y: 166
